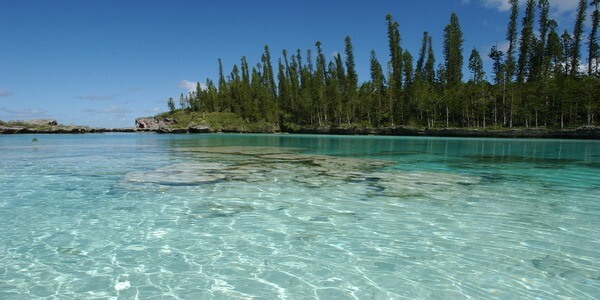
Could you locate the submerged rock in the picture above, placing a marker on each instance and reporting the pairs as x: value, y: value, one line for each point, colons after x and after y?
x: 179, y: 174
x: 290, y: 167
x: 421, y: 184
x: 242, y: 150
x: 208, y: 210
x: 565, y: 268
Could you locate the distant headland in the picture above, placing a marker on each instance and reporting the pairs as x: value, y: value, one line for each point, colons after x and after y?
x: 230, y: 123
x: 49, y: 126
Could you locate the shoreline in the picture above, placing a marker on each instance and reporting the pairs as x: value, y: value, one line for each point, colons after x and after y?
x: 583, y: 133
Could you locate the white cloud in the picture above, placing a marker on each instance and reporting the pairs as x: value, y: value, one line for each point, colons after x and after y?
x: 190, y: 86
x: 583, y: 66
x: 95, y: 97
x: 5, y: 93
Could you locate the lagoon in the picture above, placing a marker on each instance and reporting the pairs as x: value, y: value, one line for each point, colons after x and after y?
x: 242, y: 216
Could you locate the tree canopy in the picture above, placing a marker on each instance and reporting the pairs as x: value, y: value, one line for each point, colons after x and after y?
x: 538, y: 81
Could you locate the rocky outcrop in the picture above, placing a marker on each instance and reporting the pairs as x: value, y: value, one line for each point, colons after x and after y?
x: 39, y: 122
x: 166, y: 125
x: 165, y: 129
x: 153, y: 123
x: 199, y: 129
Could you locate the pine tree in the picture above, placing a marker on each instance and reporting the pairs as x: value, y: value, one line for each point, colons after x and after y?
x: 395, y: 78
x: 378, y: 88
x: 429, y: 71
x: 593, y: 46
x: 332, y: 91
x: 527, y: 42
x: 577, y: 35
x: 497, y: 66
x: 223, y: 90
x: 284, y: 94
x: 419, y: 70
x: 554, y: 52
x: 499, y: 79
x: 408, y: 74
x: 567, y: 46
x: 539, y: 60
x: 453, y: 57
x: 269, y: 95
x: 453, y: 63
x: 171, y: 104
x: 476, y: 66
x: 319, y: 85
x: 268, y: 78
x: 478, y: 98
x: 511, y: 37
x: 212, y: 99
x: 408, y: 70
x: 245, y: 72
x: 351, y: 81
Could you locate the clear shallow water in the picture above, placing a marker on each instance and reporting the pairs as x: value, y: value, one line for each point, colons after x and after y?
x: 298, y: 217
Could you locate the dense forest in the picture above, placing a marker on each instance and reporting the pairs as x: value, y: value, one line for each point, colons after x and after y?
x: 541, y: 80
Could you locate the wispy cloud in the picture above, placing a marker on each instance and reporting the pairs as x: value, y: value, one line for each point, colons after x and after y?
x: 564, y: 6
x: 190, y: 86
x: 109, y: 110
x: 5, y: 93
x: 153, y: 110
x: 95, y: 97
x: 558, y: 6
x: 501, y: 5
x: 26, y: 113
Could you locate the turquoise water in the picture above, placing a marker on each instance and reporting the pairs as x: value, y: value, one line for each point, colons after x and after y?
x: 298, y: 217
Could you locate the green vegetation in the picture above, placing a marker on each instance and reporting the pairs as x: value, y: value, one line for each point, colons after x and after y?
x: 217, y: 121
x: 538, y: 82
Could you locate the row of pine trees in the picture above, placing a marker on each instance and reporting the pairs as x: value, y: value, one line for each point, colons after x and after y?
x: 538, y: 81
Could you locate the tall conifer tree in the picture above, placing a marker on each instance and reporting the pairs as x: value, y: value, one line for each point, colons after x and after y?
x: 527, y: 41
x: 511, y: 37
x: 453, y: 56
x: 593, y: 46
x: 577, y: 36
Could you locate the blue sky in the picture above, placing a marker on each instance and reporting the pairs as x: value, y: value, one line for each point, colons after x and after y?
x: 106, y: 62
